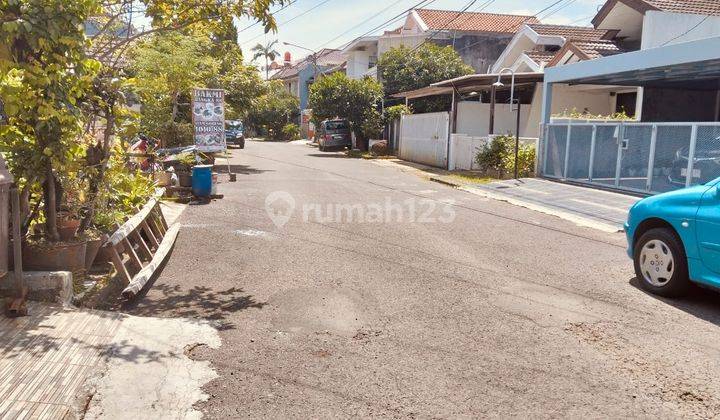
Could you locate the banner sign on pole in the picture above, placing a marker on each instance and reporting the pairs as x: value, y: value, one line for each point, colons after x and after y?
x: 208, y: 106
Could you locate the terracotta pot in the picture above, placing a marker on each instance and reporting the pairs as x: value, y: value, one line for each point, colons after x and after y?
x: 55, y: 257
x: 67, y: 228
x: 92, y: 249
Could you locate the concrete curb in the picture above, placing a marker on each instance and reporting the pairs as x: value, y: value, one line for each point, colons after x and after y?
x: 43, y: 286
x: 578, y: 220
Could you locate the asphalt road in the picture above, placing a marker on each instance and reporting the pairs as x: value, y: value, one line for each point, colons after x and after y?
x: 464, y: 307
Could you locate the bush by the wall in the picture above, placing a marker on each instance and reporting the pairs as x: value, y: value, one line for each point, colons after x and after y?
x: 291, y: 132
x: 498, y: 158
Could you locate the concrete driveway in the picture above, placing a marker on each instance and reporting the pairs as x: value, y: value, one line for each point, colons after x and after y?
x: 463, y: 307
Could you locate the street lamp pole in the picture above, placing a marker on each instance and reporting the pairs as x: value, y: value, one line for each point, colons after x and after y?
x: 512, y: 101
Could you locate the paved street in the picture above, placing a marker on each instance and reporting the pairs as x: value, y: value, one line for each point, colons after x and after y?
x: 479, y: 309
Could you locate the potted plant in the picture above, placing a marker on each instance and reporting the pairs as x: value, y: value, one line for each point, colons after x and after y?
x: 183, y: 168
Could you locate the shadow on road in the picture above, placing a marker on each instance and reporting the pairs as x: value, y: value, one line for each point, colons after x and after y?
x: 197, y: 302
x: 238, y: 169
x: 701, y: 303
x: 328, y: 155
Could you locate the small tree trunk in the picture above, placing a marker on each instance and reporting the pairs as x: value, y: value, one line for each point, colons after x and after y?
x: 175, y: 106
x: 267, y: 70
x: 50, y: 205
x: 99, y: 159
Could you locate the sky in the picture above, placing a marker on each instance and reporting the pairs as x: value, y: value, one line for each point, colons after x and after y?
x: 316, y: 24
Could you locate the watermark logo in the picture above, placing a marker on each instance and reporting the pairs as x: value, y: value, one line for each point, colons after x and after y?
x: 280, y: 206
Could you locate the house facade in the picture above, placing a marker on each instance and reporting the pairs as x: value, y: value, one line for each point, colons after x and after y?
x: 361, y: 57
x: 673, y: 61
x: 479, y: 38
x: 298, y: 77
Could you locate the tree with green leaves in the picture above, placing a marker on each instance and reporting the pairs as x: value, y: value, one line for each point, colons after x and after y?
x: 52, y: 82
x: 337, y: 96
x: 44, y: 77
x: 402, y: 69
x: 268, y: 52
x: 273, y: 110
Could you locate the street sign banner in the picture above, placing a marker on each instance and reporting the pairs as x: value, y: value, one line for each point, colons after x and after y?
x: 208, y: 106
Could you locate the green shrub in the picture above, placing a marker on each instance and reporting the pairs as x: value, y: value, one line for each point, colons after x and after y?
x: 393, y: 113
x: 291, y: 132
x: 498, y: 158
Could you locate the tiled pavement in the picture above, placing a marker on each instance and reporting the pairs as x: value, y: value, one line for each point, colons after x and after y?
x: 593, y: 205
x: 46, y: 357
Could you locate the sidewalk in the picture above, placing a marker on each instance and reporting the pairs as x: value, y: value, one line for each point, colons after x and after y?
x: 584, y: 206
x: 66, y: 362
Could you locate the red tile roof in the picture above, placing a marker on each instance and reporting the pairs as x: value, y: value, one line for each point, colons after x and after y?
x: 325, y: 57
x: 473, y: 21
x: 541, y: 56
x: 697, y: 7
x: 572, y: 33
x: 693, y: 7
x: 597, y: 49
x: 586, y: 50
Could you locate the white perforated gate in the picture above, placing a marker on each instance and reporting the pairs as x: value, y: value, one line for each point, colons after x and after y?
x: 424, y: 138
x: 637, y: 157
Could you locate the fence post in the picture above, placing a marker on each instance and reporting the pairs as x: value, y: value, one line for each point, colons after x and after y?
x: 618, y: 162
x: 567, y: 151
x: 691, y: 155
x: 591, y: 166
x: 651, y: 160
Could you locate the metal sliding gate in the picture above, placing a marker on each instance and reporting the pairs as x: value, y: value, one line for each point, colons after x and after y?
x: 636, y: 157
x: 424, y: 138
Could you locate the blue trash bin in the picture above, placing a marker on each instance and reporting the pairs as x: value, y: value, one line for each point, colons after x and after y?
x: 202, y: 180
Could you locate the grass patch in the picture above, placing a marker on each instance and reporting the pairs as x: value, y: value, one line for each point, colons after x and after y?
x: 471, y: 177
x: 357, y: 154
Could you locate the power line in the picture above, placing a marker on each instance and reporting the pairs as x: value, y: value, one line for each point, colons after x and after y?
x: 443, y: 27
x: 518, y: 25
x: 688, y: 31
x: 361, y: 23
x: 393, y: 19
x: 322, y: 3
x: 252, y: 25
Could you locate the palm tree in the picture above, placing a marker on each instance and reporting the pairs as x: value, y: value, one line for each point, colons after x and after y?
x: 269, y: 52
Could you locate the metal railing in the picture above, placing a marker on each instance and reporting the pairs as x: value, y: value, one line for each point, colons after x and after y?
x: 632, y: 156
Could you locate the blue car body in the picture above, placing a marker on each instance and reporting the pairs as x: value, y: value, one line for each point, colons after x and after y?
x: 694, y: 214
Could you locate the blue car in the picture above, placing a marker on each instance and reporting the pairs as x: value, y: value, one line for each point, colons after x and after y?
x: 674, y: 239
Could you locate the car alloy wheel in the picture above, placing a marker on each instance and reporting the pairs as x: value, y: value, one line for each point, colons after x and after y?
x: 657, y: 263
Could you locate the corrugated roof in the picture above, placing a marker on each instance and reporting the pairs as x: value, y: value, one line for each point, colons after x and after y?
x: 571, y: 33
x: 473, y: 21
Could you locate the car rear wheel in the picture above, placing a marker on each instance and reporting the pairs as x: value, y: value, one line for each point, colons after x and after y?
x: 661, y: 264
x: 241, y: 143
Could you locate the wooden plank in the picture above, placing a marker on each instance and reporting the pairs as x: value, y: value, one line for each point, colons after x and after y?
x: 150, y: 234
x: 141, y: 278
x: 162, y: 217
x: 133, y: 255
x: 118, y: 263
x: 144, y: 249
x: 155, y: 223
x: 132, y: 223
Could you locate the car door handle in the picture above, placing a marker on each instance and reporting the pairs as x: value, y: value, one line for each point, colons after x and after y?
x: 711, y: 246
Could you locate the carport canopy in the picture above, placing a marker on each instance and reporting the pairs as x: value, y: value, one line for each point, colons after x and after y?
x: 470, y: 83
x: 689, y: 65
